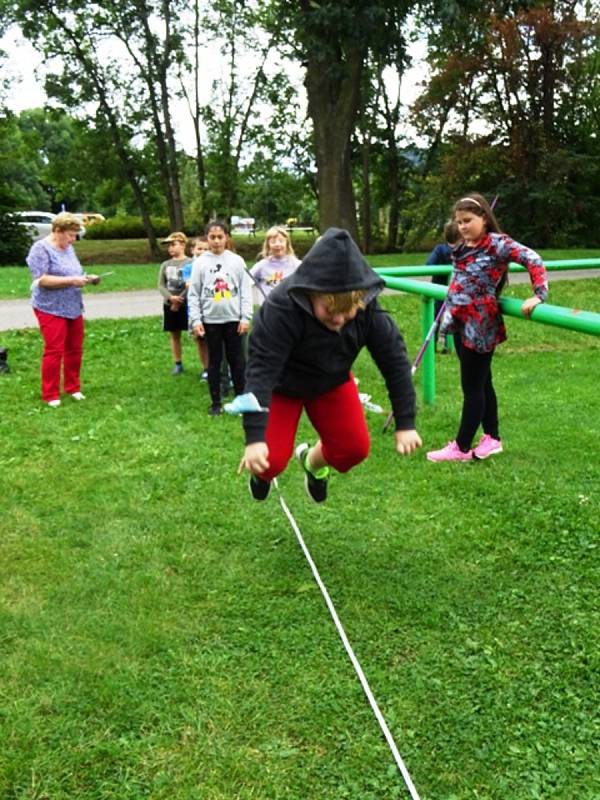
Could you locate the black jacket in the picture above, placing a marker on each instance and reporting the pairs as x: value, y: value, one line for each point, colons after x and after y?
x: 292, y: 353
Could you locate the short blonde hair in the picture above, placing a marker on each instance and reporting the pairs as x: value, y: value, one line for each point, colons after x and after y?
x: 276, y: 230
x: 65, y: 221
x: 342, y: 302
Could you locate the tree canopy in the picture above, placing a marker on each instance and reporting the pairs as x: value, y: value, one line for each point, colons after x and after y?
x: 508, y: 105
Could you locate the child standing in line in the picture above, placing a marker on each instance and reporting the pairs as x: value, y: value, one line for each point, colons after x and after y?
x: 472, y: 314
x: 173, y: 288
x: 220, y: 301
x: 278, y: 261
x: 305, y: 338
x: 197, y: 246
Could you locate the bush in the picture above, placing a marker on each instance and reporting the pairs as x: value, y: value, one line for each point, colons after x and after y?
x: 15, y: 241
x: 126, y: 228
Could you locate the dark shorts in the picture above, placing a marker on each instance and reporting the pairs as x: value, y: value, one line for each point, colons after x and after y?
x: 175, y: 320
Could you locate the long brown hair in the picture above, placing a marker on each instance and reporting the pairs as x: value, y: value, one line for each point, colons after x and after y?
x: 478, y: 205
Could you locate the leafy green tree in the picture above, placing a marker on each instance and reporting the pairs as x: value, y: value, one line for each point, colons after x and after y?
x: 333, y: 41
x: 273, y: 195
x: 19, y: 167
x: 121, y: 89
x: 15, y: 239
x: 514, y: 84
x: 247, y: 105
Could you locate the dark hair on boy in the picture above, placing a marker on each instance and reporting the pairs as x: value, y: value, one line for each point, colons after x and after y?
x: 451, y: 234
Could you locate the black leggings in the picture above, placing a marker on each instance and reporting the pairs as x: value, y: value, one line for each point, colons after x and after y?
x: 219, y: 336
x: 480, y: 406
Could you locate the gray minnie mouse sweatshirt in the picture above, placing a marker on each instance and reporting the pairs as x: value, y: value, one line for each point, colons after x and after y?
x: 220, y: 290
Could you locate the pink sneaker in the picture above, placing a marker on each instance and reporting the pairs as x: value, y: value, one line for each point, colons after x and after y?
x: 487, y: 446
x: 451, y: 452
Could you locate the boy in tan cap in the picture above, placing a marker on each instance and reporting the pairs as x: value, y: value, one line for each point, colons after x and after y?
x: 172, y: 286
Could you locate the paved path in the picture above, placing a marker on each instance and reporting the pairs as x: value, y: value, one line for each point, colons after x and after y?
x: 117, y: 305
x: 102, y: 305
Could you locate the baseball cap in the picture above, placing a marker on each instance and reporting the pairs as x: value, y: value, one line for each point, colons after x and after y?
x: 178, y: 236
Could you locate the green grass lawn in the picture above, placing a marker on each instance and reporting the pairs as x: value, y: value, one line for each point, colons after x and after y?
x: 161, y: 636
x: 129, y: 276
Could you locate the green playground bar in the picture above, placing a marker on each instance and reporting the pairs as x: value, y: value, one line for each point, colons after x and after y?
x: 574, y: 319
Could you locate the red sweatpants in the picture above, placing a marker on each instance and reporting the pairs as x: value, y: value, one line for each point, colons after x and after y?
x: 63, y: 346
x: 338, y: 418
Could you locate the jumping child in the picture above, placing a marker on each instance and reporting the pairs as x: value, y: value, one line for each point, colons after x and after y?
x: 220, y: 302
x: 278, y: 261
x: 305, y: 338
x: 473, y: 315
x: 173, y: 288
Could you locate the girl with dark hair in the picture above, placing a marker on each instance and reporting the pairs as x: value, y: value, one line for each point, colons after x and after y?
x: 220, y: 303
x: 473, y: 315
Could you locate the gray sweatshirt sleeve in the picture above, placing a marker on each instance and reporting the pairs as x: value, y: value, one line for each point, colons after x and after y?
x: 247, y: 308
x: 162, y: 283
x: 194, y: 294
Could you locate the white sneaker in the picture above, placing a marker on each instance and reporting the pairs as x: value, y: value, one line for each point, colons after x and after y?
x: 53, y: 403
x: 78, y: 396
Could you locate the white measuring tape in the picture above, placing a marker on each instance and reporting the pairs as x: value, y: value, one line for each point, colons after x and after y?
x: 355, y: 663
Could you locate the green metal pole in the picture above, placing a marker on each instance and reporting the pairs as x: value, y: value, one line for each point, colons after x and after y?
x: 571, y: 318
x: 428, y: 362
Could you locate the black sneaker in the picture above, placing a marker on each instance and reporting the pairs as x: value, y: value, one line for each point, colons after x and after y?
x: 259, y: 489
x: 215, y: 410
x: 315, y: 485
x: 177, y: 369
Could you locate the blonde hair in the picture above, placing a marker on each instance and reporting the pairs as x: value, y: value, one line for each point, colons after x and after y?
x: 342, y: 302
x: 65, y: 221
x: 191, y: 243
x: 276, y: 230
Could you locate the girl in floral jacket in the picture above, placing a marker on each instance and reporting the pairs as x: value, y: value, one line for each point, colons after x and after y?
x: 473, y: 315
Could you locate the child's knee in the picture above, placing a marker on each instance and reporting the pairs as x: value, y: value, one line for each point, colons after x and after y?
x: 345, y: 458
x: 278, y: 461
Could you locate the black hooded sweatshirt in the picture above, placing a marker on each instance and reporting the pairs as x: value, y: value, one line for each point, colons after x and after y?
x: 294, y: 354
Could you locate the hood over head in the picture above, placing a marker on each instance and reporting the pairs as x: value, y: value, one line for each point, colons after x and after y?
x: 333, y: 264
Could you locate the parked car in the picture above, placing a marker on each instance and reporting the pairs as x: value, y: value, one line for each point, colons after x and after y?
x: 39, y: 223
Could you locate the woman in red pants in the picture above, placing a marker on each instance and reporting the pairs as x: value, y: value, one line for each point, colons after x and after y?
x: 56, y: 299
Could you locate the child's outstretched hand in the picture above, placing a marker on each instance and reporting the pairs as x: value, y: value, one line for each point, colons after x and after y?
x: 529, y: 304
x: 255, y: 458
x: 407, y: 442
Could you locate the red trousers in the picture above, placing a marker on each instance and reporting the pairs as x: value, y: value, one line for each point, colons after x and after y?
x: 63, y: 347
x: 338, y: 418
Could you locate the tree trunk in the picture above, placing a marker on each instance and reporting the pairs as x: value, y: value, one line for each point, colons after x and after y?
x: 366, y: 195
x: 392, y: 159
x: 394, y: 189
x: 106, y: 110
x: 158, y: 62
x: 333, y: 99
